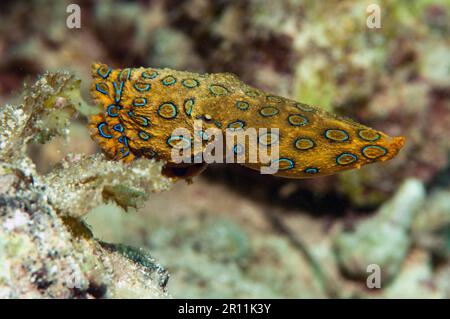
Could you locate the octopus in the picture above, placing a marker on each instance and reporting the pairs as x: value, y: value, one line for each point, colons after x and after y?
x: 142, y: 107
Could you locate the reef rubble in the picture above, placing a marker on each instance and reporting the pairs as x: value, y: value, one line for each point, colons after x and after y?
x: 46, y: 250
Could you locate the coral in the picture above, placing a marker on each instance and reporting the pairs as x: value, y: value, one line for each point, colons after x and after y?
x: 43, y: 114
x: 213, y: 257
x: 43, y: 256
x: 431, y: 229
x: 416, y: 279
x: 382, y: 239
x: 46, y: 250
x: 221, y: 245
x: 80, y: 183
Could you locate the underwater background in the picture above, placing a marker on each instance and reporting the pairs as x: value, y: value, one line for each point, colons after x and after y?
x: 234, y: 233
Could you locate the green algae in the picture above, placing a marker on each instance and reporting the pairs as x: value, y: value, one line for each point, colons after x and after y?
x: 46, y: 250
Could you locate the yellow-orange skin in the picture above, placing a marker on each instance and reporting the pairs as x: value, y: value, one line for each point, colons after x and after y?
x: 312, y: 142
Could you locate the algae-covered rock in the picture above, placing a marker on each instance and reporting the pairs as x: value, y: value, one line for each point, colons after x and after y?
x: 46, y: 256
x: 44, y: 112
x: 80, y: 183
x: 384, y: 238
x: 46, y: 251
x: 416, y: 280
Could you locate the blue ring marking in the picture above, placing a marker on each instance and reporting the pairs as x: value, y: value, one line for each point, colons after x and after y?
x: 100, y: 130
x: 179, y: 137
x: 118, y: 127
x: 143, y: 135
x: 374, y: 146
x: 242, y: 105
x: 125, y: 154
x: 303, y: 123
x: 284, y: 159
x: 118, y: 92
x: 168, y: 80
x: 336, y: 140
x: 143, y: 103
x: 152, y: 75
x: 218, y: 124
x: 188, y: 106
x: 173, y: 110
x: 111, y: 108
x: 103, y: 75
x: 238, y: 149
x: 218, y: 89
x: 142, y: 89
x: 377, y: 137
x: 98, y: 88
x: 298, y: 139
x: 123, y: 139
x: 304, y: 107
x: 274, y: 111
x: 241, y: 125
x: 144, y: 121
x: 354, y: 157
x: 272, y: 142
x: 128, y: 75
x: 311, y: 170
x: 192, y: 85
